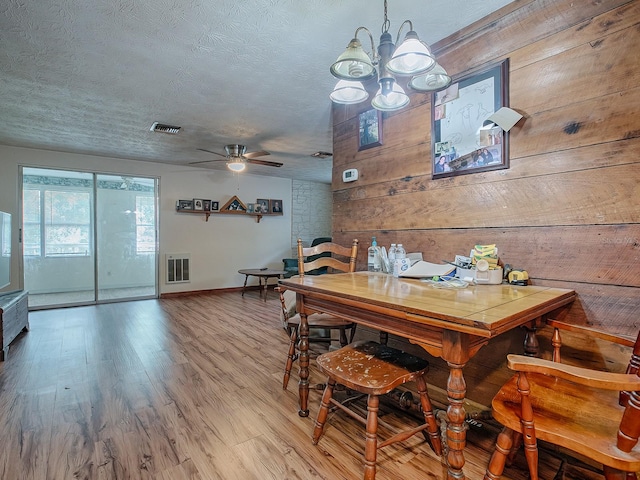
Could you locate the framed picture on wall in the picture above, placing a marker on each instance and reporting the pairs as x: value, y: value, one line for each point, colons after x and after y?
x: 206, y: 205
x: 262, y: 205
x: 215, y: 206
x: 185, y: 205
x: 369, y: 129
x: 198, y: 204
x: 463, y: 139
x: 275, y: 207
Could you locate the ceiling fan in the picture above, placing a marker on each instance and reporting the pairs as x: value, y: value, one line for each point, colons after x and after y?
x: 237, y: 157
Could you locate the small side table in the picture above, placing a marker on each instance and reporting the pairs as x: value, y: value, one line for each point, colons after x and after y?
x: 261, y: 273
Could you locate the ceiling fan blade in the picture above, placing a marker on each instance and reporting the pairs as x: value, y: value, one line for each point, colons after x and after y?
x: 255, y: 154
x: 209, y: 151
x: 263, y: 162
x: 208, y: 161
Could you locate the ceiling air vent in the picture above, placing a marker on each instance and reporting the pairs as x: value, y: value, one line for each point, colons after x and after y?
x: 322, y: 154
x: 163, y: 128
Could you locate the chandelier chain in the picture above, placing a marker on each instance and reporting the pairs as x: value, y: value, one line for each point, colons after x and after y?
x: 386, y: 24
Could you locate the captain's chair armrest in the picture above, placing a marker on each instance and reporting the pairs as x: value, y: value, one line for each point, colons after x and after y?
x: 579, y: 375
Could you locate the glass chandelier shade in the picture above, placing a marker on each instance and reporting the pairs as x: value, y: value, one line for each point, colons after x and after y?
x: 390, y: 96
x: 432, y: 81
x: 347, y: 92
x: 353, y: 64
x: 236, y: 165
x: 412, y: 57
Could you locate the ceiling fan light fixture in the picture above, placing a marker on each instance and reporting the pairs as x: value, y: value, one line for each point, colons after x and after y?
x: 236, y: 165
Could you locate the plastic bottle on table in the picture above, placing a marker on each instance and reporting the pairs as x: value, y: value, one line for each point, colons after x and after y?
x: 400, y: 251
x: 391, y: 255
x: 373, y: 257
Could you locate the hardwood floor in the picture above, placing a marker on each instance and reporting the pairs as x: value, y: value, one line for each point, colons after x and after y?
x: 185, y: 388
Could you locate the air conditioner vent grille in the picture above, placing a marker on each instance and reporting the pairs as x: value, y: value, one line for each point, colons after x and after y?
x: 163, y: 128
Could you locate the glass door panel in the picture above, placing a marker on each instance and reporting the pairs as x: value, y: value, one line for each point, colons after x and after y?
x: 58, y: 247
x: 126, y: 237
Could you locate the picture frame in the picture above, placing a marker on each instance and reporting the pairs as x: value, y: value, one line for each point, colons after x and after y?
x: 215, y: 205
x: 206, y: 204
x: 185, y: 205
x: 369, y: 129
x: 463, y: 139
x: 251, y: 208
x: 198, y: 204
x: 275, y: 206
x: 262, y: 205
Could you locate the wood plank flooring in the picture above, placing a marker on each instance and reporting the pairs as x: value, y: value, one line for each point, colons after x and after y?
x: 186, y: 388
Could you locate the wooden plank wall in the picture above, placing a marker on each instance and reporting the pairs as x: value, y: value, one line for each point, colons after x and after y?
x: 567, y: 210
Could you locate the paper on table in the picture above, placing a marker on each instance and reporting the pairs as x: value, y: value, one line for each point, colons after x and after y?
x: 424, y: 269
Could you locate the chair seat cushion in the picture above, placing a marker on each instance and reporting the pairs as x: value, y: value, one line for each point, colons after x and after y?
x: 584, y: 420
x: 371, y: 368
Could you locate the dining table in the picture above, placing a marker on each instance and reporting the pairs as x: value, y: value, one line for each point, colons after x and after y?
x: 447, y: 322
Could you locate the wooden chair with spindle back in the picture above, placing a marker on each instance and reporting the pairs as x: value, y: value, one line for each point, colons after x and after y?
x: 339, y: 259
x: 593, y: 413
x: 374, y: 369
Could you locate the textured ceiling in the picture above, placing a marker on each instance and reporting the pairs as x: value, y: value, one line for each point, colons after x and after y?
x: 92, y: 77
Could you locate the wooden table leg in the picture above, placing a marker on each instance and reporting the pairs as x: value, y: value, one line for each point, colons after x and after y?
x: 303, y: 385
x: 456, y: 352
x: 244, y: 287
x: 456, y: 427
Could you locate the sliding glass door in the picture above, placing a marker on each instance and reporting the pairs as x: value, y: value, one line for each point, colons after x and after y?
x: 126, y: 237
x: 87, y: 237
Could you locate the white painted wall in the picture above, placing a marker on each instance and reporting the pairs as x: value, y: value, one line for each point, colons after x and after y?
x: 218, y: 247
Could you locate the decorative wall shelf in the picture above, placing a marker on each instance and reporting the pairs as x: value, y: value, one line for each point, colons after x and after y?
x: 234, y: 206
x: 258, y: 216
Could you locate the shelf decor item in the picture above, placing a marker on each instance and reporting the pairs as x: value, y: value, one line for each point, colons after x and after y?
x: 262, y: 205
x: 275, y: 207
x: 184, y: 205
x: 234, y: 205
x: 198, y: 204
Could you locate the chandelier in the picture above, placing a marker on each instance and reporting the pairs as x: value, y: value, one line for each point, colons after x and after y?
x: 412, y: 58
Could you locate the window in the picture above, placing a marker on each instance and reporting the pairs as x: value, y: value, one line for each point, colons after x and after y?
x: 145, y: 224
x: 57, y: 222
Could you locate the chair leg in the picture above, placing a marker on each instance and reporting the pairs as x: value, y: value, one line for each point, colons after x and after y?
x: 352, y: 333
x: 291, y: 355
x: 371, y: 442
x: 325, y: 403
x: 429, y: 417
x: 499, y: 457
x: 343, y: 337
x: 528, y: 427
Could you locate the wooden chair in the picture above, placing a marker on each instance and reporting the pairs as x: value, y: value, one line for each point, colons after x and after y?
x: 593, y: 413
x: 374, y: 369
x: 341, y: 259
